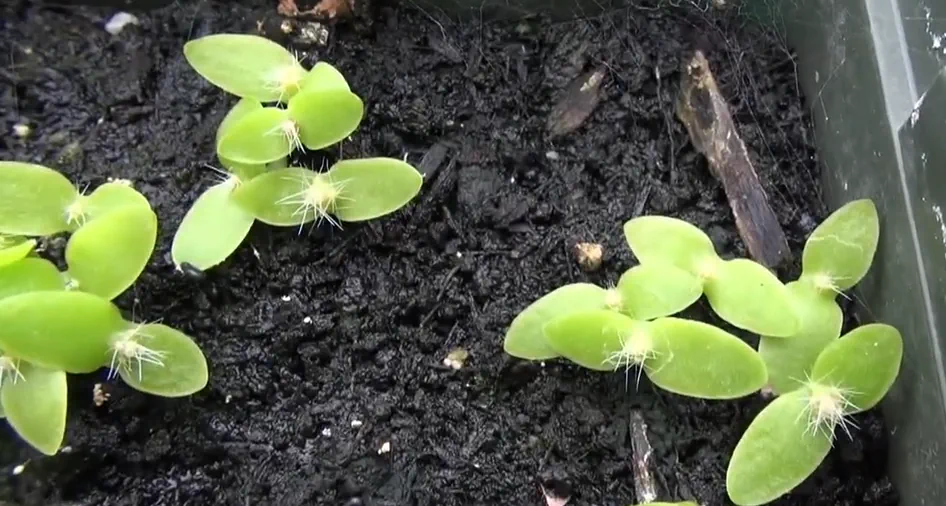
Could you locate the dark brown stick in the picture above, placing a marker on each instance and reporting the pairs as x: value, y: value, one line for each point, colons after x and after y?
x: 704, y: 112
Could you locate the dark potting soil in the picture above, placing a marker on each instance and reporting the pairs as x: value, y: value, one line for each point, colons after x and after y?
x: 328, y: 346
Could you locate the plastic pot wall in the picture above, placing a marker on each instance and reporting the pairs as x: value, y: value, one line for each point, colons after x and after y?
x: 874, y: 74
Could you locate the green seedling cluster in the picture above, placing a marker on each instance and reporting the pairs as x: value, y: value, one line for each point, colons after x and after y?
x: 56, y: 322
x: 819, y: 377
x: 283, y: 108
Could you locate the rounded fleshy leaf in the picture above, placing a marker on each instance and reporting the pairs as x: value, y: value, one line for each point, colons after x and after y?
x: 244, y: 171
x: 325, y: 117
x: 107, y: 255
x: 35, y: 406
x: 30, y: 275
x: 669, y: 240
x: 76, y: 340
x: 789, y: 360
x: 696, y: 359
x: 324, y: 77
x: 842, y: 247
x: 181, y: 371
x: 213, y: 228
x: 246, y: 65
x: 14, y: 249
x: 373, y: 187
x: 259, y: 137
x: 595, y: 339
x: 525, y: 339
x: 283, y: 198
x: 750, y: 297
x: 34, y: 200
x: 109, y: 197
x: 863, y: 364
x: 776, y: 453
x: 657, y: 289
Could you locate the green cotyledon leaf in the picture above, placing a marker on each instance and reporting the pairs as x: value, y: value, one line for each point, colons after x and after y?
x: 35, y: 405
x: 248, y: 66
x: 178, y: 367
x: 213, y: 228
x: 776, y: 453
x: 75, y: 341
x: 373, y: 187
x: 525, y: 338
x: 862, y: 364
x: 696, y: 359
x: 749, y: 296
x: 107, y: 255
x: 34, y: 200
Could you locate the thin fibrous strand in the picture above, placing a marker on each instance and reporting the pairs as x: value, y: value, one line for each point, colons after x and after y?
x: 623, y: 358
x: 11, y: 367
x: 816, y: 421
x: 278, y: 84
x: 290, y: 131
x: 304, y: 204
x: 220, y: 175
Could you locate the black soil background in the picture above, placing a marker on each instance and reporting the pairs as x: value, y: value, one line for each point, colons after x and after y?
x: 324, y: 347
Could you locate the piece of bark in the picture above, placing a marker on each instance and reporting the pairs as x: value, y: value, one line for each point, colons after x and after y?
x: 644, y: 485
x: 703, y: 110
x: 325, y: 9
x: 576, y: 104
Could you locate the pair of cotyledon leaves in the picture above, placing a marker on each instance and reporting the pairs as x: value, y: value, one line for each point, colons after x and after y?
x: 113, y: 229
x: 47, y: 331
x: 220, y: 219
x: 598, y: 328
x: 253, y: 145
x: 320, y: 111
x: 782, y: 445
x: 839, y: 252
x: 53, y: 323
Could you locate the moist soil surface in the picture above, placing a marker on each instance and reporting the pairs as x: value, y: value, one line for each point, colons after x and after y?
x: 326, y: 347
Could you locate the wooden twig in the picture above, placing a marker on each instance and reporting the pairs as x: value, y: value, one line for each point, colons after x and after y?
x: 644, y: 484
x: 703, y: 110
x: 576, y: 103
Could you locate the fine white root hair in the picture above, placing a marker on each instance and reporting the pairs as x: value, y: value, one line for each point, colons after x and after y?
x: 317, y: 195
x: 128, y: 352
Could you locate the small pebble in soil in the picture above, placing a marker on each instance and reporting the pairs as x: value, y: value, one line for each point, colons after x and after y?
x: 19, y: 469
x: 385, y: 448
x: 119, y: 21
x: 356, y: 424
x: 456, y: 358
x: 22, y: 130
x: 589, y: 255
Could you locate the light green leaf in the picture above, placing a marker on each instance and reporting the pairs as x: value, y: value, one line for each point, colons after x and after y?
x: 34, y: 200
x: 325, y: 117
x: 598, y: 339
x: 373, y: 187
x: 749, y: 296
x: 524, y: 338
x: 75, y: 341
x: 29, y: 275
x: 35, y: 406
x: 180, y: 371
x: 286, y: 197
x: 790, y: 360
x: 14, y: 249
x: 246, y: 65
x: 259, y: 137
x: 109, y: 197
x: 863, y: 364
x: 212, y: 229
x: 670, y: 240
x: 776, y: 453
x: 244, y: 171
x: 699, y: 360
x: 324, y: 76
x: 657, y: 289
x: 842, y: 247
x: 108, y: 254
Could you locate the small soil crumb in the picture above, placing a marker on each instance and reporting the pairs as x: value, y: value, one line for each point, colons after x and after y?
x: 99, y: 395
x: 589, y: 255
x: 456, y: 358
